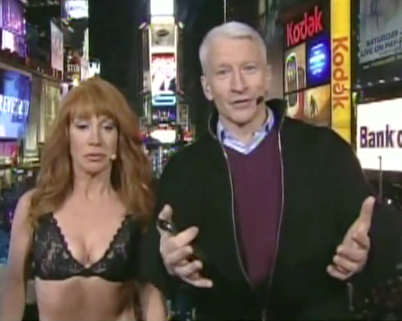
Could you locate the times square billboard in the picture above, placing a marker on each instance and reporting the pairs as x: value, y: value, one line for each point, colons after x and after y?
x: 163, y: 69
x: 317, y: 66
x: 379, y: 38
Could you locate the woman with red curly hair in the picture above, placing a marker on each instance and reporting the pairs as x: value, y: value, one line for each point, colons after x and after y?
x: 79, y: 230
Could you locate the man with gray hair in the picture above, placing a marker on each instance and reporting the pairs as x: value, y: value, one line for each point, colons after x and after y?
x: 245, y: 219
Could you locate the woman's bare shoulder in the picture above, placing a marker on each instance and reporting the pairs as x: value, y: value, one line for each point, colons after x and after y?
x: 24, y: 204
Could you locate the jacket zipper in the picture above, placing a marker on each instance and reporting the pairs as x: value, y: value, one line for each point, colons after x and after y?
x: 263, y: 312
x: 243, y: 270
x: 279, y: 224
x: 234, y: 220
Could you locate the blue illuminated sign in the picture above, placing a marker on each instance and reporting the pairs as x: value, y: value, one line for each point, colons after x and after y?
x: 318, y: 61
x: 163, y: 115
x: 164, y: 100
x: 164, y: 108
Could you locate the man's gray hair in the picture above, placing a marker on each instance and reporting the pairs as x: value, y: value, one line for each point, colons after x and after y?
x: 234, y: 30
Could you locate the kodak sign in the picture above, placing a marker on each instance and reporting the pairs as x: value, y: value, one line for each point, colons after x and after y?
x: 341, y: 94
x: 299, y: 31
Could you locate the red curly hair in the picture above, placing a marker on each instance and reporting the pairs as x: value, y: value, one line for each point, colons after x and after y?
x: 131, y: 174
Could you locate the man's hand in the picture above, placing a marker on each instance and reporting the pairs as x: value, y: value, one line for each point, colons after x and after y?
x: 351, y: 256
x: 176, y: 253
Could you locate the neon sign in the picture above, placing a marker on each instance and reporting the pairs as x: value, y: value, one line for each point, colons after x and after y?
x: 164, y: 100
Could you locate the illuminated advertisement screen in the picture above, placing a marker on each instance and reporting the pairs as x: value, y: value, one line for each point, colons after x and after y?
x: 318, y: 61
x: 295, y: 79
x: 162, y: 7
x: 295, y: 69
x: 165, y: 136
x: 13, y: 17
x: 13, y: 26
x: 15, y: 95
x: 311, y: 105
x: 379, y: 41
x: 164, y: 115
x: 163, y: 74
x: 308, y: 25
x: 379, y: 135
x: 163, y: 80
x: 9, y: 149
x: 341, y: 73
x: 307, y: 66
x: 76, y: 9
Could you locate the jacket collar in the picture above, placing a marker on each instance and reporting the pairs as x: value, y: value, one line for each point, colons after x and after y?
x: 278, y: 106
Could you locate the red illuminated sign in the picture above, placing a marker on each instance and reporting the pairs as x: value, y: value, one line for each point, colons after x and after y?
x: 309, y: 26
x: 9, y: 149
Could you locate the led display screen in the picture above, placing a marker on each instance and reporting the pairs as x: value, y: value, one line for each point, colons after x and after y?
x: 162, y: 7
x: 76, y: 9
x: 167, y: 115
x: 163, y: 80
x: 312, y: 105
x: 379, y: 135
x: 295, y: 69
x: 318, y: 61
x: 307, y: 65
x: 13, y: 17
x: 15, y: 95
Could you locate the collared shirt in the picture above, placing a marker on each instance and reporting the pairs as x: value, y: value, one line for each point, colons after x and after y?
x: 228, y: 140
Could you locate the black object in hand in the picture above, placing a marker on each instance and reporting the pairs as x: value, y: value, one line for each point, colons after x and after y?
x: 167, y: 226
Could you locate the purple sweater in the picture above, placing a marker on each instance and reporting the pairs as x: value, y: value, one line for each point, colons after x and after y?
x: 258, y: 200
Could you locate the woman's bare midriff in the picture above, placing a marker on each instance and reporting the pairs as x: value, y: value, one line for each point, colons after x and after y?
x: 85, y: 299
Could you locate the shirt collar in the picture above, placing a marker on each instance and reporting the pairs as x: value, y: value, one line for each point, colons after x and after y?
x: 223, y: 133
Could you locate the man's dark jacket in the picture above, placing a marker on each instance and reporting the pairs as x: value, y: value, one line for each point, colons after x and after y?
x: 324, y: 188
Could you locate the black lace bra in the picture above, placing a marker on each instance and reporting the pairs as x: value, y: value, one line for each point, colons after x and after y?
x: 52, y: 260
